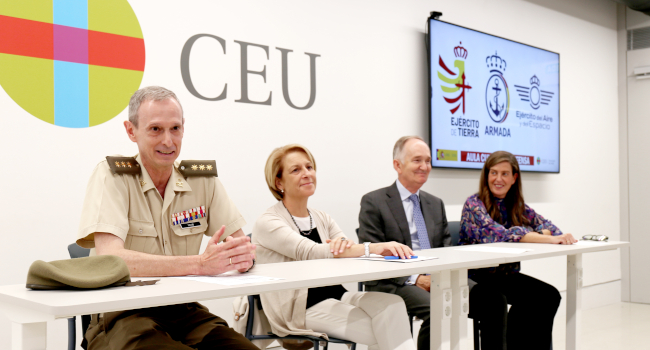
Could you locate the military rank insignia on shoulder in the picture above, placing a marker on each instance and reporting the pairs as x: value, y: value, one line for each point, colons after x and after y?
x: 198, y: 168
x: 124, y: 165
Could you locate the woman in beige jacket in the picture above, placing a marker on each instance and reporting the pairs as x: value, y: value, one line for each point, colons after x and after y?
x: 291, y: 231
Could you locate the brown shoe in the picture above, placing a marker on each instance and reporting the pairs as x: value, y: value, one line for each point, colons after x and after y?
x: 296, y: 344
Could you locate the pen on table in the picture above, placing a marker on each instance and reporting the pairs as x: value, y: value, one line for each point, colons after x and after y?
x: 397, y: 257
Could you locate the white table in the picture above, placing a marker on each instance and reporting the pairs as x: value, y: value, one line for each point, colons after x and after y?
x: 30, y: 310
x: 574, y: 276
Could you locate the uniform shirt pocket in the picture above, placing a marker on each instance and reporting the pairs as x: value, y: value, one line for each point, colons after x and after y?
x: 142, y: 237
x: 187, y: 241
x: 197, y: 226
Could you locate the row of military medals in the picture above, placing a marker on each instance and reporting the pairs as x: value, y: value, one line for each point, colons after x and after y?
x: 188, y: 215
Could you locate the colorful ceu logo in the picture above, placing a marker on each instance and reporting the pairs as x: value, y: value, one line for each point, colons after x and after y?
x: 71, y: 63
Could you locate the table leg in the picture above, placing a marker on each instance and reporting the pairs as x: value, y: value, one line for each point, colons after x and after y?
x: 441, y: 309
x: 574, y: 301
x: 28, y: 336
x: 459, y: 309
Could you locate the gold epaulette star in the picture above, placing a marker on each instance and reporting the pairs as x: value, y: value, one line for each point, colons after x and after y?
x: 198, y: 168
x: 123, y: 165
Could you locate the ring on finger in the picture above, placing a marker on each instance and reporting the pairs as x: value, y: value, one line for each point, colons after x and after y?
x: 343, y: 239
x: 230, y: 261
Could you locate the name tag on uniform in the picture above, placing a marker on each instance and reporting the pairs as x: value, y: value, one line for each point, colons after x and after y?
x: 190, y: 224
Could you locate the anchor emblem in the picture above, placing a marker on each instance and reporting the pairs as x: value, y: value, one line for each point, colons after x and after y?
x: 497, y: 96
x: 497, y: 91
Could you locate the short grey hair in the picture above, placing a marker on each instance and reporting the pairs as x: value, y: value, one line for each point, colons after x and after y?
x: 149, y: 93
x: 398, y: 150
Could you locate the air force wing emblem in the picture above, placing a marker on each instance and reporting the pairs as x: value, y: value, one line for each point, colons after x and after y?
x: 534, y: 94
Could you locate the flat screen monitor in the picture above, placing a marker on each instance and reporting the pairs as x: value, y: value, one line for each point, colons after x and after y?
x: 488, y: 94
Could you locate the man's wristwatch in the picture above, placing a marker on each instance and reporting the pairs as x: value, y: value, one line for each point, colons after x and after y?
x: 366, y: 246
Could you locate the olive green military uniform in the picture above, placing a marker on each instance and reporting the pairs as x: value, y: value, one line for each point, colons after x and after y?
x: 121, y: 199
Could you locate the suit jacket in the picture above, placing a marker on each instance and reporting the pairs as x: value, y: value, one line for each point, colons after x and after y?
x: 382, y: 219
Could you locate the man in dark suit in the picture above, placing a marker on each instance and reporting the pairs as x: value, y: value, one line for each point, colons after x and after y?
x: 405, y: 214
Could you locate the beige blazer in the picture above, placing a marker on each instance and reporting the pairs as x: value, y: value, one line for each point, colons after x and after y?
x: 278, y: 240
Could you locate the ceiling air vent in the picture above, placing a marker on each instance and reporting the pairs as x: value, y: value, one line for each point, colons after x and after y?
x: 638, y: 38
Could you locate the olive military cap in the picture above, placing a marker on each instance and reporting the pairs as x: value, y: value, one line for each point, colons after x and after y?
x: 81, y: 273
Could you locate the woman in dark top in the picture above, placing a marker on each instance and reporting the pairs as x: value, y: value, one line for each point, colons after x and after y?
x: 498, y: 213
x: 290, y: 231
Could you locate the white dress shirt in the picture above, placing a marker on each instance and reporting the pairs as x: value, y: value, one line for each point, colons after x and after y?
x: 408, y: 210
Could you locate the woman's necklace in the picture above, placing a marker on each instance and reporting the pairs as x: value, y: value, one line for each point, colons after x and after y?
x: 304, y: 233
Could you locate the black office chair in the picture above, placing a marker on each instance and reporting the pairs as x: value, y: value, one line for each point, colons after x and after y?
x: 254, y: 301
x: 454, y: 231
x: 77, y: 252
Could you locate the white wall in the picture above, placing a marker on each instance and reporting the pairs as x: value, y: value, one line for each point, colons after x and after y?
x: 634, y: 147
x: 623, y: 18
x: 372, y: 89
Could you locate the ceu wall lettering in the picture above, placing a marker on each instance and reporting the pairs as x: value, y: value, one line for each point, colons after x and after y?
x: 71, y: 63
x: 245, y: 72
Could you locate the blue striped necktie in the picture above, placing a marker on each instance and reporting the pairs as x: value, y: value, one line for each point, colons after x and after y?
x: 423, y: 236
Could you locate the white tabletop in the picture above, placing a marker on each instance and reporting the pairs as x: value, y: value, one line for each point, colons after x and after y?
x: 538, y: 251
x: 301, y: 274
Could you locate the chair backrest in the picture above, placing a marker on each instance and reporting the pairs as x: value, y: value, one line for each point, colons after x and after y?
x: 77, y: 252
x: 454, y: 231
x: 252, y: 302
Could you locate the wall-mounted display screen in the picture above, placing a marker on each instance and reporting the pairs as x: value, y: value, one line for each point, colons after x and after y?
x: 490, y: 94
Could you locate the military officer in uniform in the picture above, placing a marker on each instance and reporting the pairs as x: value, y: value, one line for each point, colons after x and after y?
x: 133, y: 209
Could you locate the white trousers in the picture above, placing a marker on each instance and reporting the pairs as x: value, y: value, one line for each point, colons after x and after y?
x: 378, y: 320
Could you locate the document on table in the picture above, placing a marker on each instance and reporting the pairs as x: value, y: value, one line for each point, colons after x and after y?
x: 479, y: 248
x: 227, y: 279
x: 381, y: 258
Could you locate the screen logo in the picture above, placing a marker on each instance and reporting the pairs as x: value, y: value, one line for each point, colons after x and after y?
x: 497, y: 96
x: 446, y: 154
x: 454, y: 82
x: 73, y: 64
x: 534, y: 94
